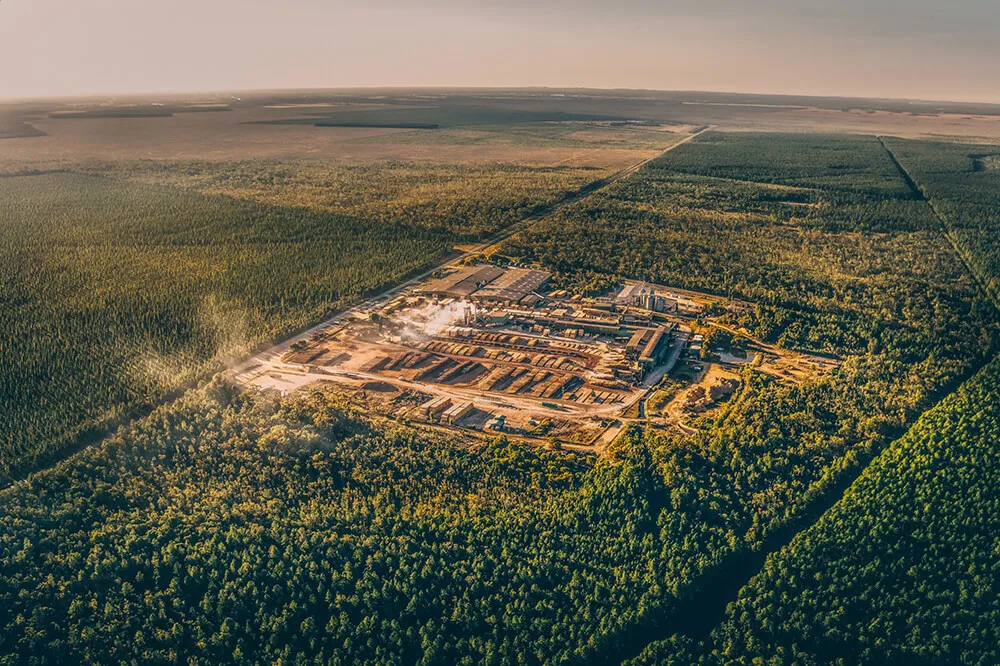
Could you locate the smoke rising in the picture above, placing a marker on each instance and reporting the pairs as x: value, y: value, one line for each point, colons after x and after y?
x: 220, y: 323
x: 227, y: 323
x: 428, y: 320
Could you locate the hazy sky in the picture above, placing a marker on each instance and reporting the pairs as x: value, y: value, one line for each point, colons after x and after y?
x: 932, y: 49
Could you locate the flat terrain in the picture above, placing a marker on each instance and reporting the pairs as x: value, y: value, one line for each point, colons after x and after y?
x: 240, y: 135
x: 865, y: 584
x: 128, y: 292
x: 559, y: 369
x: 736, y: 307
x: 471, y: 201
x: 540, y: 128
x: 172, y: 232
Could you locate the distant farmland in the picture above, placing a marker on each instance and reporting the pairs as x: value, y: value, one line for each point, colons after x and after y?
x: 12, y: 128
x: 442, y: 115
x: 331, y: 123
x: 137, y: 111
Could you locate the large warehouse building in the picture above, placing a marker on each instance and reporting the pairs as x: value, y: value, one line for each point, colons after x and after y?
x: 463, y: 282
x: 489, y: 283
x: 512, y: 286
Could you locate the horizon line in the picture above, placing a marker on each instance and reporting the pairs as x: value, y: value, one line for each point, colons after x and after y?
x: 458, y: 88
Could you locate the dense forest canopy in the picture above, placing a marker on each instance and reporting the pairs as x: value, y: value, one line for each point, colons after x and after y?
x: 961, y: 182
x: 468, y: 201
x: 230, y: 527
x: 902, y: 571
x: 116, y: 292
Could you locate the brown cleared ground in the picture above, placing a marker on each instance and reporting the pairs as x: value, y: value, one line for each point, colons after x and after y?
x: 648, y: 124
x: 231, y: 136
x: 710, y: 388
x: 471, y: 178
x: 950, y: 127
x: 11, y: 127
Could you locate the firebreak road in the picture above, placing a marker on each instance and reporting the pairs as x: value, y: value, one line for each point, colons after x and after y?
x: 275, y: 351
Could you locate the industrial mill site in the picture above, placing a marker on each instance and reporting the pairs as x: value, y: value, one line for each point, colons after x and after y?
x: 494, y: 349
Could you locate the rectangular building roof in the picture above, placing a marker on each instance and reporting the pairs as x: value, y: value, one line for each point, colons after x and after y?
x: 636, y: 340
x: 626, y: 292
x: 513, y: 285
x: 649, y: 353
x: 464, y: 281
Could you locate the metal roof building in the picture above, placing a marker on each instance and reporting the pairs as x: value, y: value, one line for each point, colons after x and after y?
x: 513, y: 285
x: 463, y: 282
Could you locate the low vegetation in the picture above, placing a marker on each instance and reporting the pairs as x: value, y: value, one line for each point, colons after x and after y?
x: 587, y: 135
x: 431, y: 116
x: 138, y: 111
x: 817, y: 283
x: 13, y: 128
